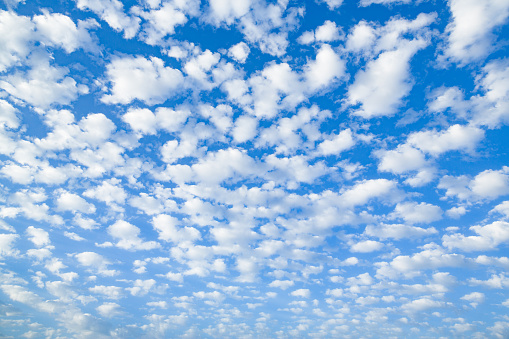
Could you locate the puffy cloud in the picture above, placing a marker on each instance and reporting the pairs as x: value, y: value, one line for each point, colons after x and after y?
x: 332, y: 4
x: 38, y: 236
x: 239, y: 52
x: 43, y: 85
x: 111, y: 292
x: 380, y: 88
x: 112, y: 11
x: 167, y: 228
x: 109, y: 310
x: 361, y: 37
x: 488, y: 237
x: 366, y: 246
x: 67, y: 201
x: 398, y: 231
x: 127, y: 235
x: 420, y: 305
x: 137, y: 78
x: 400, y: 160
x: 365, y: 190
x: 7, y: 245
x: 282, y: 284
x: 413, y: 212
x: 16, y: 32
x: 96, y: 262
x: 327, y: 67
x: 365, y: 3
x: 302, y: 293
x: 474, y: 298
x: 324, y: 33
x: 488, y: 184
x: 110, y: 191
x: 161, y: 22
x: 228, y: 10
x: 455, y: 138
x: 495, y: 281
x: 59, y: 30
x: 470, y: 32
x: 431, y: 257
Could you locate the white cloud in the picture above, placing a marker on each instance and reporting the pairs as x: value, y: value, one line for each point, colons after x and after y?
x: 110, y: 191
x: 239, y: 52
x: 332, y: 4
x: 398, y: 231
x: 325, y: 33
x: 43, y: 85
x: 455, y: 138
x: 365, y: 3
x: 413, y: 212
x: 127, y: 236
x: 96, y: 262
x: 302, y: 293
x: 112, y: 11
x: 474, y: 297
x: 361, y: 37
x: 400, y: 160
x: 366, y: 246
x: 282, y: 284
x: 431, y: 257
x: 422, y: 304
x: 337, y: 144
x: 488, y: 184
x: 15, y: 34
x: 167, y: 228
x: 470, y: 32
x: 8, y: 117
x: 67, y: 201
x: 38, y: 236
x: 491, y: 108
x: 381, y: 87
x: 161, y: 22
x: 365, y: 190
x: 110, y: 292
x: 488, y: 237
x: 137, y: 78
x: 496, y: 281
x: 109, y: 310
x: 228, y: 10
x: 59, y: 30
x: 7, y: 245
x: 327, y: 67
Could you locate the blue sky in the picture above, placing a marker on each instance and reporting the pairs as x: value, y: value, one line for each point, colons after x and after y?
x: 254, y: 169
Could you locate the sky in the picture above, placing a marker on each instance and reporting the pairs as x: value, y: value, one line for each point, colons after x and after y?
x: 254, y: 169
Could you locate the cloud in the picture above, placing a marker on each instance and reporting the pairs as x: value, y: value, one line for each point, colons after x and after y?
x: 112, y: 11
x: 127, y: 236
x: 398, y: 231
x: 38, y: 236
x: 43, y: 85
x: 327, y: 67
x: 413, y: 212
x: 380, y: 88
x: 138, y: 78
x: 366, y: 246
x: 7, y: 245
x: 470, y: 36
x: 488, y: 238
x: 96, y: 262
x: 325, y: 33
x: 488, y: 184
x: 239, y: 52
x: 302, y: 293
